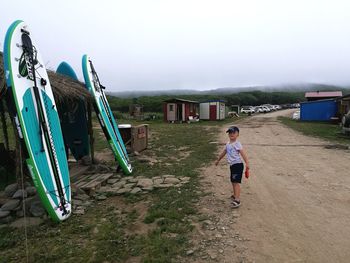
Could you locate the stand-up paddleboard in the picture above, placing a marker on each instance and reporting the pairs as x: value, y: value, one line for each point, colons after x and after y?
x: 37, y: 120
x: 105, y: 115
x: 73, y: 120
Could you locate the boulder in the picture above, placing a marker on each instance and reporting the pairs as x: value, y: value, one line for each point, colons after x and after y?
x: 11, y: 189
x: 158, y: 181
x: 79, y: 211
x: 4, y: 213
x: 31, y: 190
x: 100, y: 197
x: 149, y: 188
x: 112, y: 181
x: 19, y: 194
x: 119, y: 184
x: 168, y: 175
x: 3, y: 200
x: 123, y: 191
x: 135, y: 190
x: 171, y: 180
x: 130, y: 185
x: 37, y: 209
x: 82, y: 197
x: 10, y: 205
x: 143, y: 183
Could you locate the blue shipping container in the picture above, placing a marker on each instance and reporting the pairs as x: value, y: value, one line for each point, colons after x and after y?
x: 321, y: 110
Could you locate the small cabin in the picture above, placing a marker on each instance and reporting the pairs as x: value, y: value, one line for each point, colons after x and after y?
x: 212, y: 110
x: 180, y: 110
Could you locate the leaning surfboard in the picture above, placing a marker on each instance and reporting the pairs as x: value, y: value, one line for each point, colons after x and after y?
x: 35, y: 114
x: 73, y: 120
x: 105, y: 115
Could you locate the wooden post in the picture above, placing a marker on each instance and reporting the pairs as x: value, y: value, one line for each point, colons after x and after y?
x: 91, y: 132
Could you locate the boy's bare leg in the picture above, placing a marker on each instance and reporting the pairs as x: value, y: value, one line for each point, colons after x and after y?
x: 236, y: 190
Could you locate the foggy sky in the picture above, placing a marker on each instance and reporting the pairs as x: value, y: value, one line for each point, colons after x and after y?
x: 149, y: 44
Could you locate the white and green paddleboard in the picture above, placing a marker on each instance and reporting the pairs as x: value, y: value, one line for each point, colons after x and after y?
x: 105, y: 115
x: 36, y: 117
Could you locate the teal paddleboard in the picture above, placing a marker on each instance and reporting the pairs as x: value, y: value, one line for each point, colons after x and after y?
x: 105, y: 115
x: 73, y: 120
x: 38, y: 125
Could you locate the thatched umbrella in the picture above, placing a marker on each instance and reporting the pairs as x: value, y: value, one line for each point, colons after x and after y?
x: 65, y: 90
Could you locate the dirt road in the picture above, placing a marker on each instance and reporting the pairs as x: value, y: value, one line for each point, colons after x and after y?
x: 295, y: 207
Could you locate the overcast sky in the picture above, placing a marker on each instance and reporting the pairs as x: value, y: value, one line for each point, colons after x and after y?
x: 190, y: 44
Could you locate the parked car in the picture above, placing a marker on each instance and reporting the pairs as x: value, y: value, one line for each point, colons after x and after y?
x: 258, y: 109
x: 247, y: 109
x: 265, y: 109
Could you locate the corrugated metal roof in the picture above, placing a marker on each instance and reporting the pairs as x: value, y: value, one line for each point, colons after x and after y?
x: 181, y: 100
x: 321, y: 94
x: 206, y: 101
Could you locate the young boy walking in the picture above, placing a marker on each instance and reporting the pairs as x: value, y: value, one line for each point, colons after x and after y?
x: 234, y: 151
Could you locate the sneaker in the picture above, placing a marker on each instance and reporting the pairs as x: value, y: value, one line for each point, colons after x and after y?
x: 236, y: 203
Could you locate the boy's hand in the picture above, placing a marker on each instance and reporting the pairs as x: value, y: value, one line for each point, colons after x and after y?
x: 216, y: 163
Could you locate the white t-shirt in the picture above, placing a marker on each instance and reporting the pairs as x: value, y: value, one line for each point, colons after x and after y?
x: 232, y: 152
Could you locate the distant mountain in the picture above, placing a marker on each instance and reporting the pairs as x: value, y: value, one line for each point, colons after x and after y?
x: 303, y: 87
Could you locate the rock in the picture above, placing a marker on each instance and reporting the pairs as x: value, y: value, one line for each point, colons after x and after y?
x: 4, y: 213
x: 158, y: 181
x: 19, y: 213
x: 123, y: 191
x: 82, y: 197
x: 112, y: 181
x: 11, y: 189
x: 119, y: 185
x: 171, y: 180
x: 3, y: 200
x: 19, y: 194
x: 163, y: 185
x: 79, y: 211
x: 135, y: 190
x: 87, y: 203
x: 185, y: 179
x: 136, y: 153
x: 145, y: 183
x: 77, y: 202
x: 133, y: 180
x: 37, y: 209
x: 29, y: 221
x: 31, y: 190
x: 168, y: 175
x: 10, y: 205
x: 189, y: 252
x: 100, y: 197
x: 130, y: 185
x: 6, y: 220
x: 150, y: 188
x: 103, y: 189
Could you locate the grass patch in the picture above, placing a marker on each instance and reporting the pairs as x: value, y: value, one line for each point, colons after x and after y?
x: 105, y: 232
x: 321, y: 130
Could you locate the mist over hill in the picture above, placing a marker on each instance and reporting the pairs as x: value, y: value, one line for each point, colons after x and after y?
x: 231, y: 90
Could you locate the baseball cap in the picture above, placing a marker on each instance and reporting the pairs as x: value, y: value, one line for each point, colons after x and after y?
x: 232, y: 129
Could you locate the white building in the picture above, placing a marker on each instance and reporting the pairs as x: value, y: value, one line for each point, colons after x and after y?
x: 212, y: 110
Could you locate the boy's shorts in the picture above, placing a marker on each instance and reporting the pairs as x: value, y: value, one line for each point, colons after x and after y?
x: 236, y: 172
